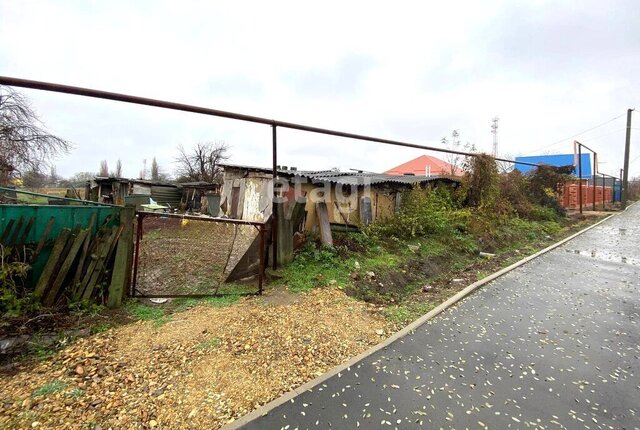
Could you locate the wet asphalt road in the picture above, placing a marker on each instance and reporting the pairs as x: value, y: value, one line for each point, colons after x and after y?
x: 554, y: 344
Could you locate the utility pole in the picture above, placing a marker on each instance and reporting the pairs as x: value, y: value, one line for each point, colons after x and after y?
x: 494, y: 131
x: 625, y: 177
x: 580, y: 176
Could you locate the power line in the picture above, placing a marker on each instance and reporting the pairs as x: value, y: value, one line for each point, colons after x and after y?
x: 578, y: 134
x: 604, y: 135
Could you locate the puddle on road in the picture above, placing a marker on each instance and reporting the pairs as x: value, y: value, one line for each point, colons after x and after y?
x: 606, y: 256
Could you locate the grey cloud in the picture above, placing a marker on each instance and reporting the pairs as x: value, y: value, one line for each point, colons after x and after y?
x: 341, y: 80
x: 234, y: 86
x: 561, y: 40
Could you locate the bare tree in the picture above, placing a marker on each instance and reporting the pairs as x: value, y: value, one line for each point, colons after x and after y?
x: 104, y: 169
x: 118, y: 172
x: 202, y: 162
x: 33, y: 179
x: 25, y: 145
x: 155, y: 170
x: 505, y: 167
x: 53, y: 178
x: 456, y: 161
x: 81, y: 178
x: 143, y: 172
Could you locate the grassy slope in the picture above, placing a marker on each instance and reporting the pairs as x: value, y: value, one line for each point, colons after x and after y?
x: 391, y: 273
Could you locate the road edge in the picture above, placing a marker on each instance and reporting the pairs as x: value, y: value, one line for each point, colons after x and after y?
x: 409, y: 329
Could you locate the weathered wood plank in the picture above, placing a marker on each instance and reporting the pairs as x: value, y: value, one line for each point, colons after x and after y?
x: 96, y: 254
x: 20, y: 243
x: 16, y: 231
x: 64, y: 268
x: 48, y: 271
x: 121, y: 274
x: 90, y: 260
x: 323, y: 223
x: 85, y: 249
x: 287, y: 223
x: 7, y: 232
x: 101, y: 263
x: 44, y: 237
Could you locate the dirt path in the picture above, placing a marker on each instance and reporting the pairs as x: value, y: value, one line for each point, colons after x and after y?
x: 202, y: 369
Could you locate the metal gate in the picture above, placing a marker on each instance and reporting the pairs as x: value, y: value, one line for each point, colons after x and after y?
x: 192, y: 256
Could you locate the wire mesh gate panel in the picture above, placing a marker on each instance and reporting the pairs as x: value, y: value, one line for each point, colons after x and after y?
x: 195, y: 256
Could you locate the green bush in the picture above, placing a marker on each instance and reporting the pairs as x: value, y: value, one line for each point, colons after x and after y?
x: 514, y: 189
x: 480, y: 181
x: 545, y: 185
x: 423, y: 211
x: 14, y: 299
x: 327, y: 265
x: 542, y: 213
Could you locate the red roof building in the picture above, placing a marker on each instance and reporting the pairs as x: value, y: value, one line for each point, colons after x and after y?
x: 425, y: 165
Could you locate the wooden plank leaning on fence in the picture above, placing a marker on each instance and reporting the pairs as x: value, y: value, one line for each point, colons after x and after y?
x: 287, y: 224
x: 69, y: 258
x: 121, y: 274
x: 49, y: 268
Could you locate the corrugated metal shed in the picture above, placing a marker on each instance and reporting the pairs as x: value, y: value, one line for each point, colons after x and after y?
x: 557, y: 160
x: 166, y: 195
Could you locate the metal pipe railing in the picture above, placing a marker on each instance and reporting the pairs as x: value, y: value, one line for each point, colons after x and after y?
x: 87, y: 92
x: 52, y: 197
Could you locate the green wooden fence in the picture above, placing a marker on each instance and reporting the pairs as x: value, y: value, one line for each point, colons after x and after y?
x: 94, y: 241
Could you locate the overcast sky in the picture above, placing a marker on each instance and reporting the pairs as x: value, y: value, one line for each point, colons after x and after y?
x: 411, y: 71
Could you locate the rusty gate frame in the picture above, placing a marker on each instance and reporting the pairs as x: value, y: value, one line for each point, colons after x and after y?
x: 140, y: 215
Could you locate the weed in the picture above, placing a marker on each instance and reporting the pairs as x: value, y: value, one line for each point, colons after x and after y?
x: 149, y: 313
x: 403, y: 314
x: 50, y: 388
x: 315, y: 267
x: 398, y: 314
x: 209, y: 344
x: 76, y: 393
x: 481, y: 274
x: 221, y: 301
x: 100, y: 328
x: 144, y: 312
x: 159, y: 322
x: 183, y: 304
x: 41, y: 350
x: 14, y: 297
x: 86, y: 308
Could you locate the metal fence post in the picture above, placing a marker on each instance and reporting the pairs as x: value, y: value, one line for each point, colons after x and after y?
x: 261, y: 260
x: 274, y: 211
x: 580, y: 176
x: 603, y: 200
x: 137, y: 256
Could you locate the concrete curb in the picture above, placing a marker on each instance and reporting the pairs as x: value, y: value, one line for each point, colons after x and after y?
x: 265, y: 409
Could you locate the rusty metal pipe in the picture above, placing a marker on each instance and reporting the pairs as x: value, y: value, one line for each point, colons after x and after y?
x: 274, y: 208
x: 87, y: 92
x: 261, y: 261
x: 199, y: 218
x: 594, y: 177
